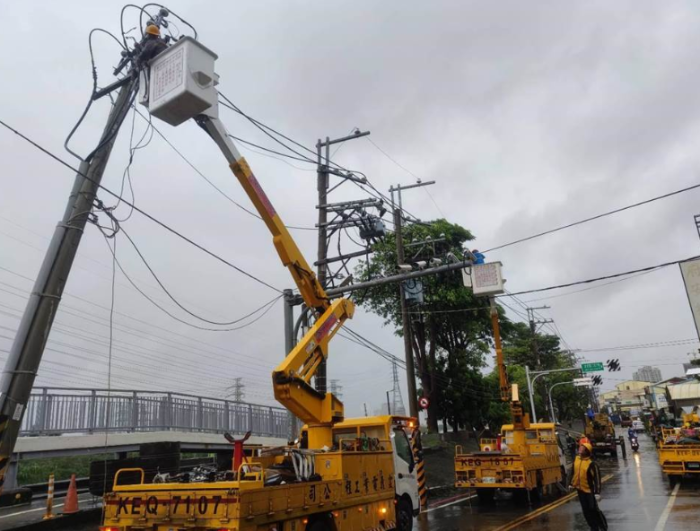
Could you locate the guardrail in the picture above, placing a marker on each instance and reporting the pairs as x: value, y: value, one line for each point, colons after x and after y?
x: 62, y: 410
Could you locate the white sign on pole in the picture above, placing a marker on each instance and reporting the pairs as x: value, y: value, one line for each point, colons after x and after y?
x: 583, y: 382
x: 690, y: 271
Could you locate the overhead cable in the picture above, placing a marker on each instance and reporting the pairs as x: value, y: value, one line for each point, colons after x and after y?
x: 593, y: 218
x: 597, y: 279
x: 139, y: 210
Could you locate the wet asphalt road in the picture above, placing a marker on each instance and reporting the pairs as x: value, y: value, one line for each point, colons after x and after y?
x: 637, y: 497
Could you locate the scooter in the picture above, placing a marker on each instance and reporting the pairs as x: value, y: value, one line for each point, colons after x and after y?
x: 634, y: 443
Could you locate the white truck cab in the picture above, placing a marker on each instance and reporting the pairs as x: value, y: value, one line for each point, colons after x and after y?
x: 406, y: 480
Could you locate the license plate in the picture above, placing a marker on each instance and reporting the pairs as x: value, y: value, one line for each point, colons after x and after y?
x: 488, y: 480
x: 692, y: 465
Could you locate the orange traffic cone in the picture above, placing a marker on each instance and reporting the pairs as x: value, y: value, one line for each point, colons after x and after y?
x: 71, y: 504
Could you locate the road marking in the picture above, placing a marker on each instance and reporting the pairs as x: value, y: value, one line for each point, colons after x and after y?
x: 80, y: 498
x: 29, y: 511
x: 450, y: 503
x: 661, y: 525
x: 542, y: 510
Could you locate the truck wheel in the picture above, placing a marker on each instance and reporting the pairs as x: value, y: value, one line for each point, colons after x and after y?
x: 486, y: 496
x: 404, y: 515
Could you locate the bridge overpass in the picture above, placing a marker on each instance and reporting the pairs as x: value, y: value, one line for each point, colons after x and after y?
x: 62, y: 421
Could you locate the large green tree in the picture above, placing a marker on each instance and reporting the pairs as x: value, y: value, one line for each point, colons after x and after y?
x: 451, y: 328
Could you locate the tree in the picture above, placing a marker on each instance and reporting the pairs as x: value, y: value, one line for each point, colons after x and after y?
x: 451, y: 329
x: 569, y: 400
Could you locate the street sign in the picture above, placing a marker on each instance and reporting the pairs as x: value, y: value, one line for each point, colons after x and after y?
x: 583, y: 382
x: 592, y: 367
x: 423, y: 402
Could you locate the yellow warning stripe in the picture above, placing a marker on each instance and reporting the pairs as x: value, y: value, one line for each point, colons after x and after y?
x: 542, y: 510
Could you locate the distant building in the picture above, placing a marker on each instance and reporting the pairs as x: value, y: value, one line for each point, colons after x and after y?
x: 628, y: 397
x: 648, y: 374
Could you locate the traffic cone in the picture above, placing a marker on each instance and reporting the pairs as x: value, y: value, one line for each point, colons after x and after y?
x: 71, y: 504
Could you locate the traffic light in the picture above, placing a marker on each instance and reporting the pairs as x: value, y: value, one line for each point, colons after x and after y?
x: 597, y: 380
x: 613, y: 365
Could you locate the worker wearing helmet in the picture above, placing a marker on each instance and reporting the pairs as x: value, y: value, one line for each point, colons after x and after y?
x: 585, y: 478
x: 153, y: 44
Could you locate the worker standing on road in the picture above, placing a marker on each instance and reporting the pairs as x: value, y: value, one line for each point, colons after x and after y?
x: 585, y: 478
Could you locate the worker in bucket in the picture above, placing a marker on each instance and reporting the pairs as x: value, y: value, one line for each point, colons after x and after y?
x: 585, y: 478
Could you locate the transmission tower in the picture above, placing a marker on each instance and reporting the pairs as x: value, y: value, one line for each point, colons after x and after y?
x: 337, y: 389
x: 397, y: 406
x: 237, y: 390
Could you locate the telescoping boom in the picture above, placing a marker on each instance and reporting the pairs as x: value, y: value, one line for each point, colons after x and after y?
x: 292, y: 378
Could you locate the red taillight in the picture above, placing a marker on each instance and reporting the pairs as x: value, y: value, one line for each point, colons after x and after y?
x: 109, y: 528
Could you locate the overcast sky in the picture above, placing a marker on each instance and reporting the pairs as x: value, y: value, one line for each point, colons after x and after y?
x: 527, y: 114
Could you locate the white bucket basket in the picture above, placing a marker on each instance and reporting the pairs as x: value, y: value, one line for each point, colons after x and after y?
x: 181, y: 82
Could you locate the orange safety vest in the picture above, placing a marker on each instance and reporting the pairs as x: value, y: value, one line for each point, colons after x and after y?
x: 580, y: 478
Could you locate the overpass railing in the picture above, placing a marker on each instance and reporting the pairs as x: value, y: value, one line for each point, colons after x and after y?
x: 59, y: 410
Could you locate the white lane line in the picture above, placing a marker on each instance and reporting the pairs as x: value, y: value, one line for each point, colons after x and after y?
x: 448, y: 504
x: 29, y: 511
x: 661, y: 525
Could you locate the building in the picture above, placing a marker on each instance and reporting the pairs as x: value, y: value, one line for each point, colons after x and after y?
x: 628, y: 397
x: 648, y: 374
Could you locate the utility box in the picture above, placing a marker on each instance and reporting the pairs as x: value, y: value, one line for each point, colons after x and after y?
x: 487, y: 279
x: 182, y: 81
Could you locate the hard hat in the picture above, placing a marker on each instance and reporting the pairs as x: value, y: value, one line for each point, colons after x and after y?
x: 152, y: 29
x: 588, y: 446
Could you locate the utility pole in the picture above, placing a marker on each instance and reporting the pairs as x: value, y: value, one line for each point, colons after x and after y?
x: 28, y: 347
x: 289, y: 344
x: 323, y: 170
x: 535, y: 348
x: 405, y: 320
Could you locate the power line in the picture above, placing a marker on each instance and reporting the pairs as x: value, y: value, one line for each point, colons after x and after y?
x: 209, y: 181
x: 404, y: 168
x: 597, y: 279
x: 172, y: 298
x: 176, y: 343
x: 593, y: 218
x: 161, y: 308
x: 140, y: 211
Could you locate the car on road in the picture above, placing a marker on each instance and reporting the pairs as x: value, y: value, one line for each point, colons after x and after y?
x: 638, y: 426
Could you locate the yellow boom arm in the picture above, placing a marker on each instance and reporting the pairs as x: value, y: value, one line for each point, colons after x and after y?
x: 292, y: 378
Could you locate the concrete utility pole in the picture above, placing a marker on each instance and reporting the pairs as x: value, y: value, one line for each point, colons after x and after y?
x: 323, y: 170
x: 405, y: 320
x: 34, y: 329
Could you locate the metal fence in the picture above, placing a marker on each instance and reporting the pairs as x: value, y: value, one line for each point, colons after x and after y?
x: 53, y: 411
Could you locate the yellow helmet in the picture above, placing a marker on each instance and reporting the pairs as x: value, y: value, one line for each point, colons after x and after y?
x: 152, y: 29
x: 587, y: 445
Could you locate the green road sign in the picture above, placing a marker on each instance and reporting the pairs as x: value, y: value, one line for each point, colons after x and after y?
x: 592, y: 367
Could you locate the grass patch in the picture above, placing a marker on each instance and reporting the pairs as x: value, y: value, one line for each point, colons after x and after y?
x: 38, y: 470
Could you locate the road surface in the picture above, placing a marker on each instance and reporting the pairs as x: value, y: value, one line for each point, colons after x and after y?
x: 636, y: 496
